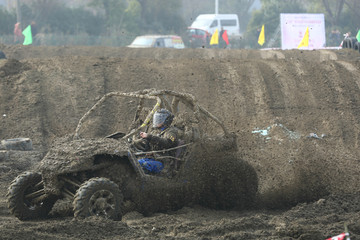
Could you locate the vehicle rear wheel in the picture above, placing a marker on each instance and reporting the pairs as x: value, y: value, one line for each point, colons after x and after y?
x: 351, y: 42
x: 344, y: 44
x: 357, y: 46
x: 98, y: 197
x: 25, y: 197
x: 2, y: 55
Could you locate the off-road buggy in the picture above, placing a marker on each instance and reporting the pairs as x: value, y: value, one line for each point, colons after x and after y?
x: 102, y: 176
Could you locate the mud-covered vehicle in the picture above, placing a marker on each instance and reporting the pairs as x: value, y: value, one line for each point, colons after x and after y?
x: 97, y: 168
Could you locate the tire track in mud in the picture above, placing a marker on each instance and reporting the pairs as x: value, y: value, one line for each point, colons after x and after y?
x: 103, y: 123
x: 7, y: 95
x: 49, y: 121
x: 60, y: 104
x: 270, y: 54
x: 303, y: 82
x: 287, y: 94
x: 42, y: 109
x: 286, y: 82
x: 273, y: 88
x: 239, y: 91
x: 24, y: 104
x: 236, y: 98
x: 340, y: 96
x: 100, y: 82
x: 349, y: 74
x: 215, y: 81
x: 251, y: 86
x: 296, y: 85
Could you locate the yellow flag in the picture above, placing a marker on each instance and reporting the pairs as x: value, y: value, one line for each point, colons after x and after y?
x: 215, y: 38
x: 261, y: 39
x: 305, y: 41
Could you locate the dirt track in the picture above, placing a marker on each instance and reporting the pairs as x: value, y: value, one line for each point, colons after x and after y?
x: 275, y: 101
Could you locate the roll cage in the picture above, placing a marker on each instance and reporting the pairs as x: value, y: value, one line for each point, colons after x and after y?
x: 164, y: 99
x: 161, y: 97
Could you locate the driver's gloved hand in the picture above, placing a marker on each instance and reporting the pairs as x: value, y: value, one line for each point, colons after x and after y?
x: 142, y: 144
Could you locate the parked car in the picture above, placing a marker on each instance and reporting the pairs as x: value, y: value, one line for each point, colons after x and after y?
x: 198, y: 38
x: 158, y: 41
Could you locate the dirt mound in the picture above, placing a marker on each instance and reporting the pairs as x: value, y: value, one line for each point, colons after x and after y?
x: 295, y: 113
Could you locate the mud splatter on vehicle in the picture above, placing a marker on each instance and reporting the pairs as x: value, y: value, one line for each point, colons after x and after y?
x: 102, y: 176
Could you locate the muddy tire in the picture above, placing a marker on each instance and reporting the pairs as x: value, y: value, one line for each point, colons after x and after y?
x: 351, y: 42
x: 21, y: 204
x: 357, y: 46
x: 2, y: 55
x: 345, y: 43
x: 98, y: 197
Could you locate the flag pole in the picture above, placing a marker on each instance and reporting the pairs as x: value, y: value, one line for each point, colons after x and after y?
x: 18, y: 12
x: 347, y: 232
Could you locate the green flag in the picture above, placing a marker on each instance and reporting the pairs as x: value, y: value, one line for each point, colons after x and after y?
x: 28, y: 35
x: 358, y: 36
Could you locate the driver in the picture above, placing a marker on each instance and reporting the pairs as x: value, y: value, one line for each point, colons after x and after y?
x: 162, y: 137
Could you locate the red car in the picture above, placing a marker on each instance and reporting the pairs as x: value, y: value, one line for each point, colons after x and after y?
x: 198, y: 38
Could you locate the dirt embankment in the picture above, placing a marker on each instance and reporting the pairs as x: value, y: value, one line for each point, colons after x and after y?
x: 296, y: 115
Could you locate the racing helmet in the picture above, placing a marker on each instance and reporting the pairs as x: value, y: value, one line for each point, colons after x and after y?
x: 162, y: 116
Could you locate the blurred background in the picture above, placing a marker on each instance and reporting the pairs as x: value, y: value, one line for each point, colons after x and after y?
x: 118, y: 22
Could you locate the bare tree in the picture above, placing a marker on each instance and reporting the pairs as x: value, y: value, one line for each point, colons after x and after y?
x: 354, y: 6
x: 334, y: 9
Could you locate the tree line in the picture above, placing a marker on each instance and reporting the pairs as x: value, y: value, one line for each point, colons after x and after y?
x: 122, y: 20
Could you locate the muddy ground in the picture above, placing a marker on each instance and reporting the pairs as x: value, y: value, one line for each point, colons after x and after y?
x: 296, y: 115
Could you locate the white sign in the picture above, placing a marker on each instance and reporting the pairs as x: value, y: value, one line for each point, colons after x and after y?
x: 293, y: 27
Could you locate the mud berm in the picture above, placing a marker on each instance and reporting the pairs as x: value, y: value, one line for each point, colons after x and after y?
x: 284, y: 123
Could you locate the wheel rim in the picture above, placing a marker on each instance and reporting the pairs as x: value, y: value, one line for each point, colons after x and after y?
x: 31, y: 194
x: 102, y: 203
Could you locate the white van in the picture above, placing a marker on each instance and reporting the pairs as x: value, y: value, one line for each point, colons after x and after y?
x: 211, y: 22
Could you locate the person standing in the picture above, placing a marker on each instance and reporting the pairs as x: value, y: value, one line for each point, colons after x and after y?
x: 18, y: 36
x: 34, y: 31
x: 223, y: 39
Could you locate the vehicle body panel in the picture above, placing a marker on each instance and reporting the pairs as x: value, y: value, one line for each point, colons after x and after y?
x: 157, y: 41
x: 210, y: 22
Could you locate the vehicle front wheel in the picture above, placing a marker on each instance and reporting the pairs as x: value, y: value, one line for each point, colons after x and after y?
x: 26, y: 197
x: 98, y: 197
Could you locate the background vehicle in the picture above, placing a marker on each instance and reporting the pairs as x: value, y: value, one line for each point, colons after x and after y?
x: 102, y: 176
x: 211, y: 22
x: 350, y: 42
x: 206, y: 24
x: 198, y: 38
x: 158, y: 41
